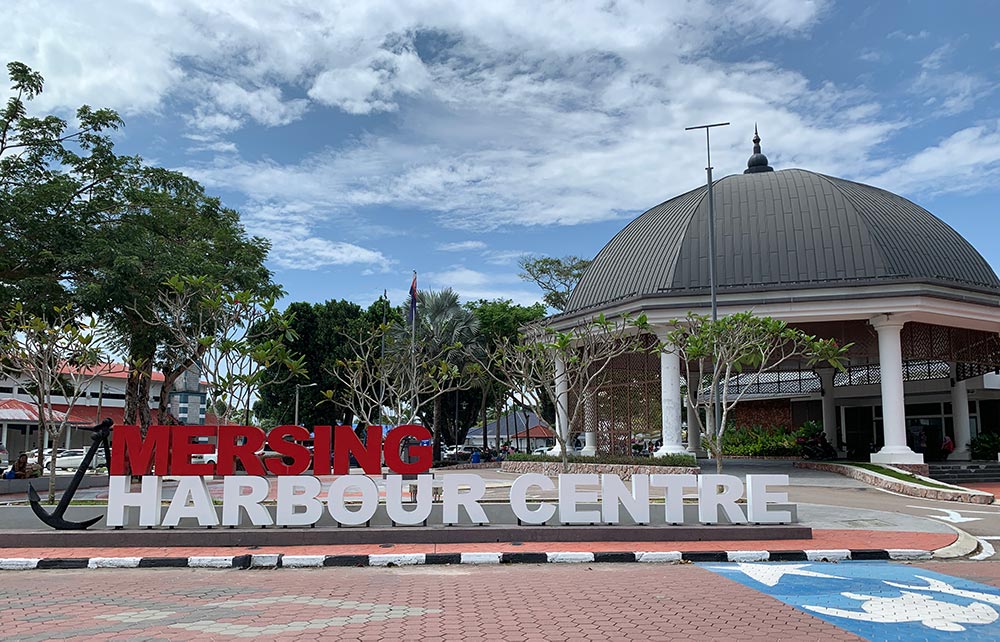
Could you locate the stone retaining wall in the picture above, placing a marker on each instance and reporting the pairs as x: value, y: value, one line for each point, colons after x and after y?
x: 625, y: 471
x: 467, y: 466
x: 899, y: 486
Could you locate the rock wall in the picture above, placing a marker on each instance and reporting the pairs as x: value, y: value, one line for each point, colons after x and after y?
x: 899, y: 486
x: 625, y: 471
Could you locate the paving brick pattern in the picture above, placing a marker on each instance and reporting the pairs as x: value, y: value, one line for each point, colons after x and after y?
x: 429, y: 604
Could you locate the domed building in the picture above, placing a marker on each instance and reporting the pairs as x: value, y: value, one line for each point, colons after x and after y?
x: 837, y: 259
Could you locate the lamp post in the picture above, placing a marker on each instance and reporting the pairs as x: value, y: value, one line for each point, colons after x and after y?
x: 299, y: 386
x: 712, y: 280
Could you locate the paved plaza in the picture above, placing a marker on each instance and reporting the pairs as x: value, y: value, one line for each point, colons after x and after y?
x: 770, y: 601
x: 469, y: 591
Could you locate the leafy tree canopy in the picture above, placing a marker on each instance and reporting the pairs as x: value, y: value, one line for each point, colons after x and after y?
x: 556, y: 276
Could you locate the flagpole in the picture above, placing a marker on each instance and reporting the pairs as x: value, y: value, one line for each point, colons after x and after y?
x: 381, y: 394
x: 413, y: 342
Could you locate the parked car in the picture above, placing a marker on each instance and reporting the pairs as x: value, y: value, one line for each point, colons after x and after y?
x: 460, y: 453
x: 543, y: 450
x: 71, y: 459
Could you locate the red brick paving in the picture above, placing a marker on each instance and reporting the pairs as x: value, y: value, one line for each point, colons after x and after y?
x: 986, y: 487
x: 984, y: 572
x: 822, y: 540
x: 522, y: 602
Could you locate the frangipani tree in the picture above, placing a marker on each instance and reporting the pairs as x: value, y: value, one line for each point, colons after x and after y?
x: 384, y: 380
x: 722, y: 359
x: 236, y: 339
x: 527, y: 366
x: 57, y: 354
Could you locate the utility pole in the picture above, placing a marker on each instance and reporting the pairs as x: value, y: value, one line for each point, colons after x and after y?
x: 712, y: 279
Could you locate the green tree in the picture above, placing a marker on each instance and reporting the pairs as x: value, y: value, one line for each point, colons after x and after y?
x: 57, y: 182
x: 165, y: 226
x: 448, y: 332
x: 237, y: 340
x: 499, y: 320
x: 527, y: 366
x: 54, y: 355
x: 721, y: 360
x: 555, y: 276
x: 321, y: 337
x: 80, y: 223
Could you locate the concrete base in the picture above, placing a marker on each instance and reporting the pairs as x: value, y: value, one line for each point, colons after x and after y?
x: 275, y: 536
x: 961, y: 454
x: 670, y: 449
x: 588, y: 451
x: 898, y: 456
x: 41, y: 484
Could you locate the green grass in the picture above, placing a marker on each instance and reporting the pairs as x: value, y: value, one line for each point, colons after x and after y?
x: 907, y: 477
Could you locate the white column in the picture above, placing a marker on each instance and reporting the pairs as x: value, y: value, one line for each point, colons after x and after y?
x: 3, y: 440
x: 960, y: 418
x: 670, y: 404
x: 826, y: 376
x: 890, y: 358
x: 590, y: 426
x: 562, y: 409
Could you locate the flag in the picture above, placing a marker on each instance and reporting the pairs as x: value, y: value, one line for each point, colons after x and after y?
x: 413, y: 299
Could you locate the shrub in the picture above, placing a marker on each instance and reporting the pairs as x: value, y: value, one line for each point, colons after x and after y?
x: 666, y: 460
x: 986, y: 445
x: 758, y: 441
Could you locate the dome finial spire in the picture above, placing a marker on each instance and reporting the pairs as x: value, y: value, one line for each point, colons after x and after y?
x: 757, y: 162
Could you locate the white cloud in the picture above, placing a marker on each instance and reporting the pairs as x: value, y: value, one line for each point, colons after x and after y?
x: 295, y: 245
x: 966, y: 161
x: 472, y: 285
x: 936, y: 58
x: 519, y: 113
x: 900, y: 35
x: 371, y: 85
x: 461, y: 246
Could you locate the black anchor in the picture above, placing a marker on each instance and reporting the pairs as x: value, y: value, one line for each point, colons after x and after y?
x: 101, y: 433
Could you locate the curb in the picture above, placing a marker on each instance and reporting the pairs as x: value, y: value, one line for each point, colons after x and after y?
x: 279, y: 560
x: 965, y: 545
x: 952, y: 493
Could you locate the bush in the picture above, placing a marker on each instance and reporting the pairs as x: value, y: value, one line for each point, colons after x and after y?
x: 986, y: 445
x: 666, y: 460
x: 758, y: 441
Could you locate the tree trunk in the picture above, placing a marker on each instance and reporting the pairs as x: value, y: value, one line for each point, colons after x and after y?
x: 437, y: 428
x: 482, y: 415
x: 137, y: 394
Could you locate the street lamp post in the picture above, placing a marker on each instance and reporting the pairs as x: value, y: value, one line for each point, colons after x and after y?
x: 299, y: 386
x: 712, y: 280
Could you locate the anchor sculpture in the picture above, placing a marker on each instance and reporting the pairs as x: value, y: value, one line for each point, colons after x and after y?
x: 102, y: 432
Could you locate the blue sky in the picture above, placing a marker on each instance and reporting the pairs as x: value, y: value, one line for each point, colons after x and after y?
x: 369, y: 139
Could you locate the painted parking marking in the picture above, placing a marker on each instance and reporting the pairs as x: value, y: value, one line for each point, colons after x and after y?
x: 878, y: 600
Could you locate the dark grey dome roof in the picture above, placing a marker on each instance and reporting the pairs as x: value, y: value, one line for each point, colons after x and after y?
x: 791, y: 228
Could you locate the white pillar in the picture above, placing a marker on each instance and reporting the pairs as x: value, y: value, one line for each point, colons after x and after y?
x: 960, y: 418
x: 826, y: 376
x: 590, y: 426
x: 890, y: 361
x: 670, y: 404
x: 562, y: 409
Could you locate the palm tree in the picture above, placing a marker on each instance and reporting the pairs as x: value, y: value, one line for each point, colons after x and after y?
x: 445, y: 331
